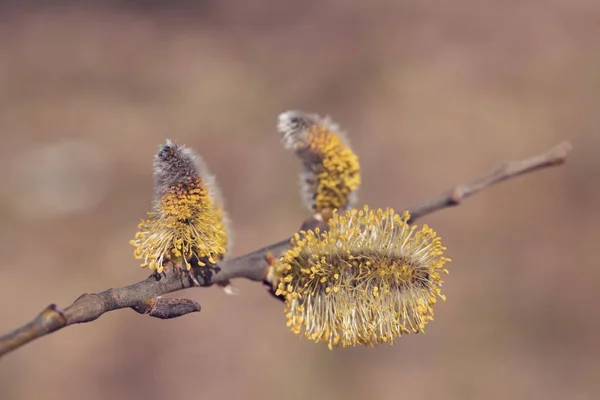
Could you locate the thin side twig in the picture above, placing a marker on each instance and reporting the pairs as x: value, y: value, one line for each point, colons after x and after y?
x: 145, y: 297
x: 511, y: 169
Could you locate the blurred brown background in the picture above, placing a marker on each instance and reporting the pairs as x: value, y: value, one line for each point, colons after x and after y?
x: 432, y: 93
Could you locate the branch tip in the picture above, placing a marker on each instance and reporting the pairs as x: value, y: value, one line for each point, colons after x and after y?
x: 560, y: 152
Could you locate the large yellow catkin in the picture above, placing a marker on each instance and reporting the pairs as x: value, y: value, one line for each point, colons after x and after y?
x: 370, y: 279
x: 187, y: 222
x: 331, y: 173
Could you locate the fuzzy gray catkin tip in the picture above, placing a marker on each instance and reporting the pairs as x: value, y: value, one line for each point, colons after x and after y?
x: 294, y: 126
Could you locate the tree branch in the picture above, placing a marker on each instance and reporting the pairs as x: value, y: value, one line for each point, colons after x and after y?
x: 145, y: 297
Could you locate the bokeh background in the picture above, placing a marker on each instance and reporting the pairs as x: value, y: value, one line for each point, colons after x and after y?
x: 432, y: 93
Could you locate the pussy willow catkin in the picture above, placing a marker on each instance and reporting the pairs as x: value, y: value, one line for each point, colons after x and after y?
x: 187, y: 220
x: 331, y: 173
x: 370, y: 279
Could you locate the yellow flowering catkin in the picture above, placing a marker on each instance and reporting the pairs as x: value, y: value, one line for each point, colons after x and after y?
x: 371, y: 278
x: 187, y: 222
x: 331, y: 173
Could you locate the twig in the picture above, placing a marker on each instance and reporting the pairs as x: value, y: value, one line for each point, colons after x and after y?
x: 145, y: 296
x: 555, y: 156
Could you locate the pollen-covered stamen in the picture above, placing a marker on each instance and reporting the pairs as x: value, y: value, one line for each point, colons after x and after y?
x: 369, y: 279
x: 331, y: 169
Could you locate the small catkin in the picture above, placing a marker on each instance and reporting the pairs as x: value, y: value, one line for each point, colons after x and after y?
x: 187, y: 222
x: 331, y: 173
x: 370, y: 279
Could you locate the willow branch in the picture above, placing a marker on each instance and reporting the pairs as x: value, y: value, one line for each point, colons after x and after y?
x: 145, y: 297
